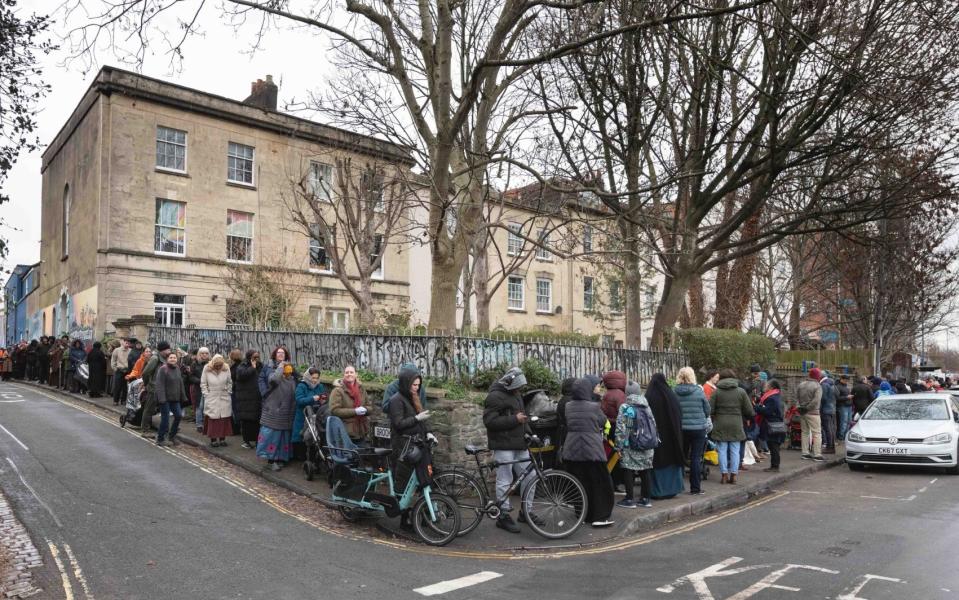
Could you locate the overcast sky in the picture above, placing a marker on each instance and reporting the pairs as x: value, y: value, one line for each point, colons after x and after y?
x: 219, y: 62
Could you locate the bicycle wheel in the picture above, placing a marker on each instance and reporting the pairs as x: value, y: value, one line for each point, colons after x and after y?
x: 468, y: 493
x: 554, y: 504
x: 350, y: 514
x: 444, y: 528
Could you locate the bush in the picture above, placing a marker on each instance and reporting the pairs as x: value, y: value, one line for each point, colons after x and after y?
x: 484, y: 378
x: 539, y: 376
x: 726, y: 349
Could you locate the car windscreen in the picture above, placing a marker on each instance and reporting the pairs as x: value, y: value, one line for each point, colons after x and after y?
x: 893, y: 409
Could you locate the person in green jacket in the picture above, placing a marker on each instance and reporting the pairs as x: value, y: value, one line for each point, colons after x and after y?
x: 149, y: 381
x: 730, y: 406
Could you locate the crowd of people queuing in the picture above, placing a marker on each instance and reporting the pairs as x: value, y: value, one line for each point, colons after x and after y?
x: 610, y: 434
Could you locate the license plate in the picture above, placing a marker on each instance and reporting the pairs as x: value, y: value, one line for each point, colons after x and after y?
x: 893, y: 450
x: 382, y: 432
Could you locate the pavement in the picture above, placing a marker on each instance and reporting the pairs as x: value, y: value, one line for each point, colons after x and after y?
x: 628, y: 522
x: 117, y: 517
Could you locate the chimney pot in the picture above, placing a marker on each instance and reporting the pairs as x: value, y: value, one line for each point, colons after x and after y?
x: 263, y: 94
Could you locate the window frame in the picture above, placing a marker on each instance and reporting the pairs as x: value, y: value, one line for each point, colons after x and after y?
x: 252, y: 216
x: 252, y: 159
x: 313, y: 240
x: 549, y: 297
x: 589, y: 295
x: 616, y: 304
x: 314, y: 181
x: 168, y: 307
x: 65, y: 222
x: 542, y: 251
x: 157, y: 225
x: 587, y: 238
x: 512, y: 237
x: 185, y: 145
x: 380, y: 243
x: 522, y: 293
x: 331, y: 313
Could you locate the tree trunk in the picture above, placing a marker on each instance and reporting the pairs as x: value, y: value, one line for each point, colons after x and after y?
x: 734, y: 284
x: 671, y: 302
x: 481, y: 288
x: 634, y: 307
x: 696, y: 302
x: 443, y: 287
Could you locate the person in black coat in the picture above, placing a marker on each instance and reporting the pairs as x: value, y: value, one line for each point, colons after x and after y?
x: 248, y: 400
x: 506, y: 429
x: 566, y: 391
x: 862, y: 395
x: 98, y: 370
x: 770, y: 407
x: 408, y: 419
x: 668, y: 459
x: 43, y: 360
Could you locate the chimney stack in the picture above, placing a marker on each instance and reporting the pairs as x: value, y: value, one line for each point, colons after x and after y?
x: 263, y: 94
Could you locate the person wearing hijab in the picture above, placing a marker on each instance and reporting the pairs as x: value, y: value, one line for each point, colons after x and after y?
x: 408, y: 418
x: 276, y: 421
x: 248, y: 399
x: 668, y: 459
x: 566, y: 394
x: 730, y: 407
x: 584, y: 453
x: 635, y: 462
x: 350, y: 403
x: 98, y: 370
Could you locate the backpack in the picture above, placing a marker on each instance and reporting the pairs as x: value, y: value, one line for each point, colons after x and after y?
x: 643, y: 435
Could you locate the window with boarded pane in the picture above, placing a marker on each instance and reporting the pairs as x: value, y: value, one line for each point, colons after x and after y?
x: 320, y: 181
x: 319, y: 256
x: 239, y: 236
x: 515, y: 293
x: 544, y: 296
x: 168, y: 310
x: 239, y: 163
x: 171, y: 149
x: 170, y: 230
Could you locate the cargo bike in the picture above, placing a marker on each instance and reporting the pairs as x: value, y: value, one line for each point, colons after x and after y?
x: 363, y: 486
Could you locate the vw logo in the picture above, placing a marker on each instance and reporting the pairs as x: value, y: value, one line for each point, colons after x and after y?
x: 893, y: 440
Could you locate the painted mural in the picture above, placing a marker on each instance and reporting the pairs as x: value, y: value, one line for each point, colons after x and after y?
x: 75, y: 315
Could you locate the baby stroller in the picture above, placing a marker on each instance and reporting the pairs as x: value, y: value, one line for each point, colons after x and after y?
x: 710, y: 457
x: 134, y: 414
x: 314, y: 436
x: 794, y: 422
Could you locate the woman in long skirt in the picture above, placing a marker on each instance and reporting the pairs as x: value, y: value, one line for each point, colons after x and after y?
x: 667, y: 480
x: 276, y: 421
x: 217, y: 386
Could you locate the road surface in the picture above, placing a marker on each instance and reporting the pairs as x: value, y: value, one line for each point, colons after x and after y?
x: 129, y: 520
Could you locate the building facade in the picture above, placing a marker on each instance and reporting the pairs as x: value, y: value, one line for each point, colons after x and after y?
x: 153, y: 193
x: 20, y: 323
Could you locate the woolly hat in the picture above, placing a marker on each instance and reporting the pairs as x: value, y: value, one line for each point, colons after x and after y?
x: 815, y: 373
x: 633, y: 389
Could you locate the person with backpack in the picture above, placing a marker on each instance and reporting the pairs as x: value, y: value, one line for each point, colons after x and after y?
x: 584, y: 454
x: 636, y: 441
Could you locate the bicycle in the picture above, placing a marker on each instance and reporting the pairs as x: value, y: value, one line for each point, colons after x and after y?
x: 435, y: 517
x: 553, y: 503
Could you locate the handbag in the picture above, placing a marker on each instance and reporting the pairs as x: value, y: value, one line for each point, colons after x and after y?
x: 776, y: 427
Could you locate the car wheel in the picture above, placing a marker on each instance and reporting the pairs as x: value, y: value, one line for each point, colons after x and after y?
x: 856, y: 467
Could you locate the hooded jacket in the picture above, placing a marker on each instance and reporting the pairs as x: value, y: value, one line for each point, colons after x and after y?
x: 394, y: 387
x: 247, y: 391
x: 730, y: 405
x: 279, y: 405
x: 305, y: 390
x: 885, y: 389
x: 403, y: 414
x: 861, y: 396
x: 827, y: 404
x: 503, y: 430
x: 694, y: 406
x: 585, y: 423
x: 216, y: 387
x: 615, y: 396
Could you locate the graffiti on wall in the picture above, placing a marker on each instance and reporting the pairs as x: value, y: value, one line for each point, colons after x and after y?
x: 74, y: 315
x: 440, y: 357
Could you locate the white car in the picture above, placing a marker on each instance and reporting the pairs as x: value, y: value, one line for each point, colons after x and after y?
x: 907, y: 430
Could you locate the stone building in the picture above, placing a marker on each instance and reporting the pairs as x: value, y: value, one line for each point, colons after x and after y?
x: 151, y: 191
x: 571, y: 290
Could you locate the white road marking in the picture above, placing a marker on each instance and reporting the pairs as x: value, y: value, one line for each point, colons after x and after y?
x: 805, y: 492
x: 934, y: 481
x: 32, y: 491
x: 909, y: 499
x: 78, y: 572
x: 10, y: 401
x: 853, y: 594
x: 456, y: 584
x: 923, y: 489
x: 22, y: 445
x: 64, y: 578
x: 769, y: 581
x: 698, y: 579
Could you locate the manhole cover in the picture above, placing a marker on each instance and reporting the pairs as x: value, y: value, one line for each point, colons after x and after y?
x: 835, y: 551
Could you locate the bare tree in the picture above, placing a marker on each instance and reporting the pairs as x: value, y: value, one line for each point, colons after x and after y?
x: 262, y: 296
x: 352, y: 212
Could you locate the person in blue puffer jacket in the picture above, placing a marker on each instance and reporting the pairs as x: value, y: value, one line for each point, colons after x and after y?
x: 309, y: 392
x: 695, y: 412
